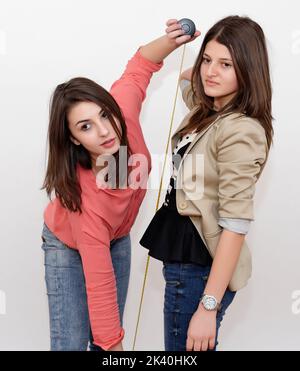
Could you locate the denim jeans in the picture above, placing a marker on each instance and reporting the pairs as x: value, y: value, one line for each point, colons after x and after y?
x: 185, y: 284
x: 68, y: 309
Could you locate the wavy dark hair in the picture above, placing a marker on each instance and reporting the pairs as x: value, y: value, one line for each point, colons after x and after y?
x: 246, y: 42
x: 64, y: 155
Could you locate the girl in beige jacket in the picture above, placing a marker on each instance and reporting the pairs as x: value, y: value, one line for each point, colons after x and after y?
x: 219, y: 152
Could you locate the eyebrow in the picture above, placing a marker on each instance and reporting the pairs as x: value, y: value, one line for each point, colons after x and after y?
x: 221, y: 59
x: 81, y: 121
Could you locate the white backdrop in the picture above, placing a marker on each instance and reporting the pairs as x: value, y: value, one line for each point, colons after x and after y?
x: 43, y: 43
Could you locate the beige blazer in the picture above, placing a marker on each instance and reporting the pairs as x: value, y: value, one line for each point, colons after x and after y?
x: 217, y: 178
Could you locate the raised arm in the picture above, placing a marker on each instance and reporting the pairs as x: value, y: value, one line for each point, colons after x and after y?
x: 187, y: 74
x: 186, y: 88
x: 130, y: 89
x: 157, y: 50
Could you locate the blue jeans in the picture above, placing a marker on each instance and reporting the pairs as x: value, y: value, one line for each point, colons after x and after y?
x: 185, y: 284
x: 68, y: 310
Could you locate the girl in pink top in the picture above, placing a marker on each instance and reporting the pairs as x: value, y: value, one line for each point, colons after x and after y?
x: 95, y: 140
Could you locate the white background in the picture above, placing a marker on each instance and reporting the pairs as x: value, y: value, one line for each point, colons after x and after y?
x: 43, y: 43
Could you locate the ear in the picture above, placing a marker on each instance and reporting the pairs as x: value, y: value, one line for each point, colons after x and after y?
x: 75, y: 141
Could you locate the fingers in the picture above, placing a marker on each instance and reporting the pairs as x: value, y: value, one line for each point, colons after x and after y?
x: 173, y: 27
x: 211, y: 344
x: 204, y: 346
x: 171, y: 21
x: 199, y: 345
x: 197, y: 34
x: 175, y: 32
x: 189, y: 344
x: 180, y: 37
x: 183, y: 39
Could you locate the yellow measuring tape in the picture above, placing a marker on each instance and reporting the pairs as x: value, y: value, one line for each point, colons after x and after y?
x: 159, y: 194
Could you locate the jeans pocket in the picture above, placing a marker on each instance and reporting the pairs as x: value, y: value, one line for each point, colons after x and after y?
x: 172, y: 283
x: 205, y: 272
x: 171, y: 279
x: 205, y: 279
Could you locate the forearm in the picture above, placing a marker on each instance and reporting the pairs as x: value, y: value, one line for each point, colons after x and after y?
x: 224, y: 263
x: 156, y: 51
x: 101, y: 292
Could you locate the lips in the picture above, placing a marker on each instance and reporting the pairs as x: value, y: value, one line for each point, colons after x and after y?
x: 210, y: 82
x: 107, y: 142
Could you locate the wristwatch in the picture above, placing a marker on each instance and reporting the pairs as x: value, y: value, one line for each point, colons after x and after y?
x: 210, y: 303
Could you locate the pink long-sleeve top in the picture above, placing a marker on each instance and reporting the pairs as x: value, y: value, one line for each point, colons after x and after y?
x: 106, y: 214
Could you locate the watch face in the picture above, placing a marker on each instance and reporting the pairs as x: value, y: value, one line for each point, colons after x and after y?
x: 209, y: 302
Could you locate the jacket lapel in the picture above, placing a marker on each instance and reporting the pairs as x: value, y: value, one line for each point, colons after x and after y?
x: 175, y: 136
x: 197, y: 138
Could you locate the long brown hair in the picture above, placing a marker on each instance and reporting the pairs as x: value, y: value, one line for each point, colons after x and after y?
x: 64, y: 155
x: 246, y: 42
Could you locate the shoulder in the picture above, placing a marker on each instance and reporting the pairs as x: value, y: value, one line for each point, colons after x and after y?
x: 237, y: 120
x: 237, y: 125
x: 240, y: 137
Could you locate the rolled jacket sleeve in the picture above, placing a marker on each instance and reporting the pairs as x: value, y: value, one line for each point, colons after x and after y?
x: 241, y: 154
x: 240, y: 226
